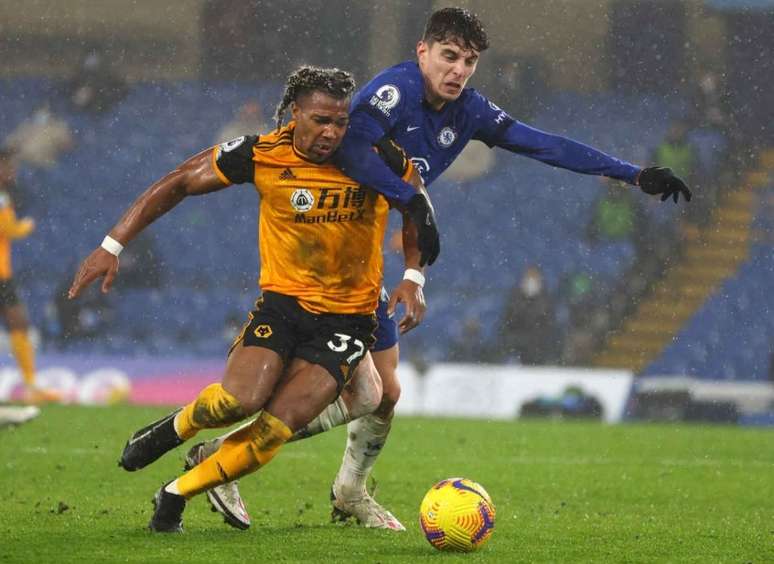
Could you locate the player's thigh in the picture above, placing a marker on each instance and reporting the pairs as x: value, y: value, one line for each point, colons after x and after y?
x: 302, y: 394
x: 16, y: 317
x: 338, y: 343
x: 261, y: 350
x: 386, y: 362
x: 251, y: 375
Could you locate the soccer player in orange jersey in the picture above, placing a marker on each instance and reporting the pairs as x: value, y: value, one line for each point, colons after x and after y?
x: 13, y: 310
x: 320, y: 239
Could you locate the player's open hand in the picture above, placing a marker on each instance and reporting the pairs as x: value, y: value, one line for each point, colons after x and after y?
x: 657, y: 180
x: 413, y: 299
x: 98, y: 264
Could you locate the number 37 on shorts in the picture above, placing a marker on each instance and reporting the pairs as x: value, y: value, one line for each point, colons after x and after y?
x: 343, y: 344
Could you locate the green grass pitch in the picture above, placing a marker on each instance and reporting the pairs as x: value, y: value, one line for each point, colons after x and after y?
x: 564, y: 492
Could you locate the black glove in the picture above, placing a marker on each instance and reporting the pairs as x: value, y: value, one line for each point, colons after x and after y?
x: 657, y: 180
x: 420, y: 210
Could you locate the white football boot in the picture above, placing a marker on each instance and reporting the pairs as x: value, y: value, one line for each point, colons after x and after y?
x: 364, y: 508
x: 224, y: 499
x: 16, y: 415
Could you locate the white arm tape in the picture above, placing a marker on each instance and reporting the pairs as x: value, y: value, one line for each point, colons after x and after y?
x: 112, y: 246
x: 415, y: 276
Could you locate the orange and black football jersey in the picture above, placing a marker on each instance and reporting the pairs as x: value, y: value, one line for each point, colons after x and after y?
x: 320, y: 233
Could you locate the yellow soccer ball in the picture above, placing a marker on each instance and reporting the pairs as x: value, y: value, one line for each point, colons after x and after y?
x: 457, y: 514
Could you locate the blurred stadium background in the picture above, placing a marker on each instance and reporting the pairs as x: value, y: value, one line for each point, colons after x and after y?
x: 555, y: 293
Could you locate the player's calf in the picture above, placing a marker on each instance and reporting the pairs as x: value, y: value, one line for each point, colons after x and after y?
x: 224, y: 499
x: 213, y: 407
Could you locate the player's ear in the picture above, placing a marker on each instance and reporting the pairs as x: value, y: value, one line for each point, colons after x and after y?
x: 294, y: 110
x: 422, y: 48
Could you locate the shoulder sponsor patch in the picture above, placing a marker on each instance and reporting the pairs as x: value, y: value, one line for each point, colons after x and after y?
x: 385, y: 98
x: 501, y: 114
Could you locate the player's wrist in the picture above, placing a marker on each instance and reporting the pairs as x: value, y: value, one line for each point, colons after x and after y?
x: 414, y: 276
x: 112, y: 246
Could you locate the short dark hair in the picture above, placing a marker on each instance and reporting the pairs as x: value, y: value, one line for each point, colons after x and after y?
x: 456, y: 23
x: 334, y: 82
x: 7, y: 154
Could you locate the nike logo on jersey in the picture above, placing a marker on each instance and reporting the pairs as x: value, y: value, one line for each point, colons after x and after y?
x: 411, y: 128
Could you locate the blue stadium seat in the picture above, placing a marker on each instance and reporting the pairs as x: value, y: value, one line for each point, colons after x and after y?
x: 730, y: 337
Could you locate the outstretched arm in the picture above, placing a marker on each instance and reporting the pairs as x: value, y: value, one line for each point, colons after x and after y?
x: 497, y: 128
x: 194, y: 177
x: 572, y: 155
x: 565, y: 153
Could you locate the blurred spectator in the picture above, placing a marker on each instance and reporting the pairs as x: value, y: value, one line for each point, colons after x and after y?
x: 682, y: 156
x: 94, y: 87
x: 709, y: 102
x: 141, y: 265
x: 677, y: 153
x: 248, y: 121
x: 577, y: 291
x: 40, y: 139
x: 616, y: 214
x: 529, y: 329
x: 656, y: 234
x: 468, y: 347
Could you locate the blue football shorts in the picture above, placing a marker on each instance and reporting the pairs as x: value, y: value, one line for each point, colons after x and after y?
x: 386, y: 333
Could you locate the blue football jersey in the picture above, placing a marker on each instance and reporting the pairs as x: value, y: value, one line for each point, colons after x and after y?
x: 393, y: 104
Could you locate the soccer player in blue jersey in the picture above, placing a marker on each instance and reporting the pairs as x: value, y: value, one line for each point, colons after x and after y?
x: 425, y: 107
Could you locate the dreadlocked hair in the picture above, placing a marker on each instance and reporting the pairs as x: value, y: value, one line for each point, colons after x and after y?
x: 456, y: 24
x: 334, y: 82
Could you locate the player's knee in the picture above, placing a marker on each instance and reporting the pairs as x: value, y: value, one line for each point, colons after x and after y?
x: 363, y: 394
x: 389, y: 399
x: 300, y: 407
x: 248, y: 399
x: 390, y: 392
